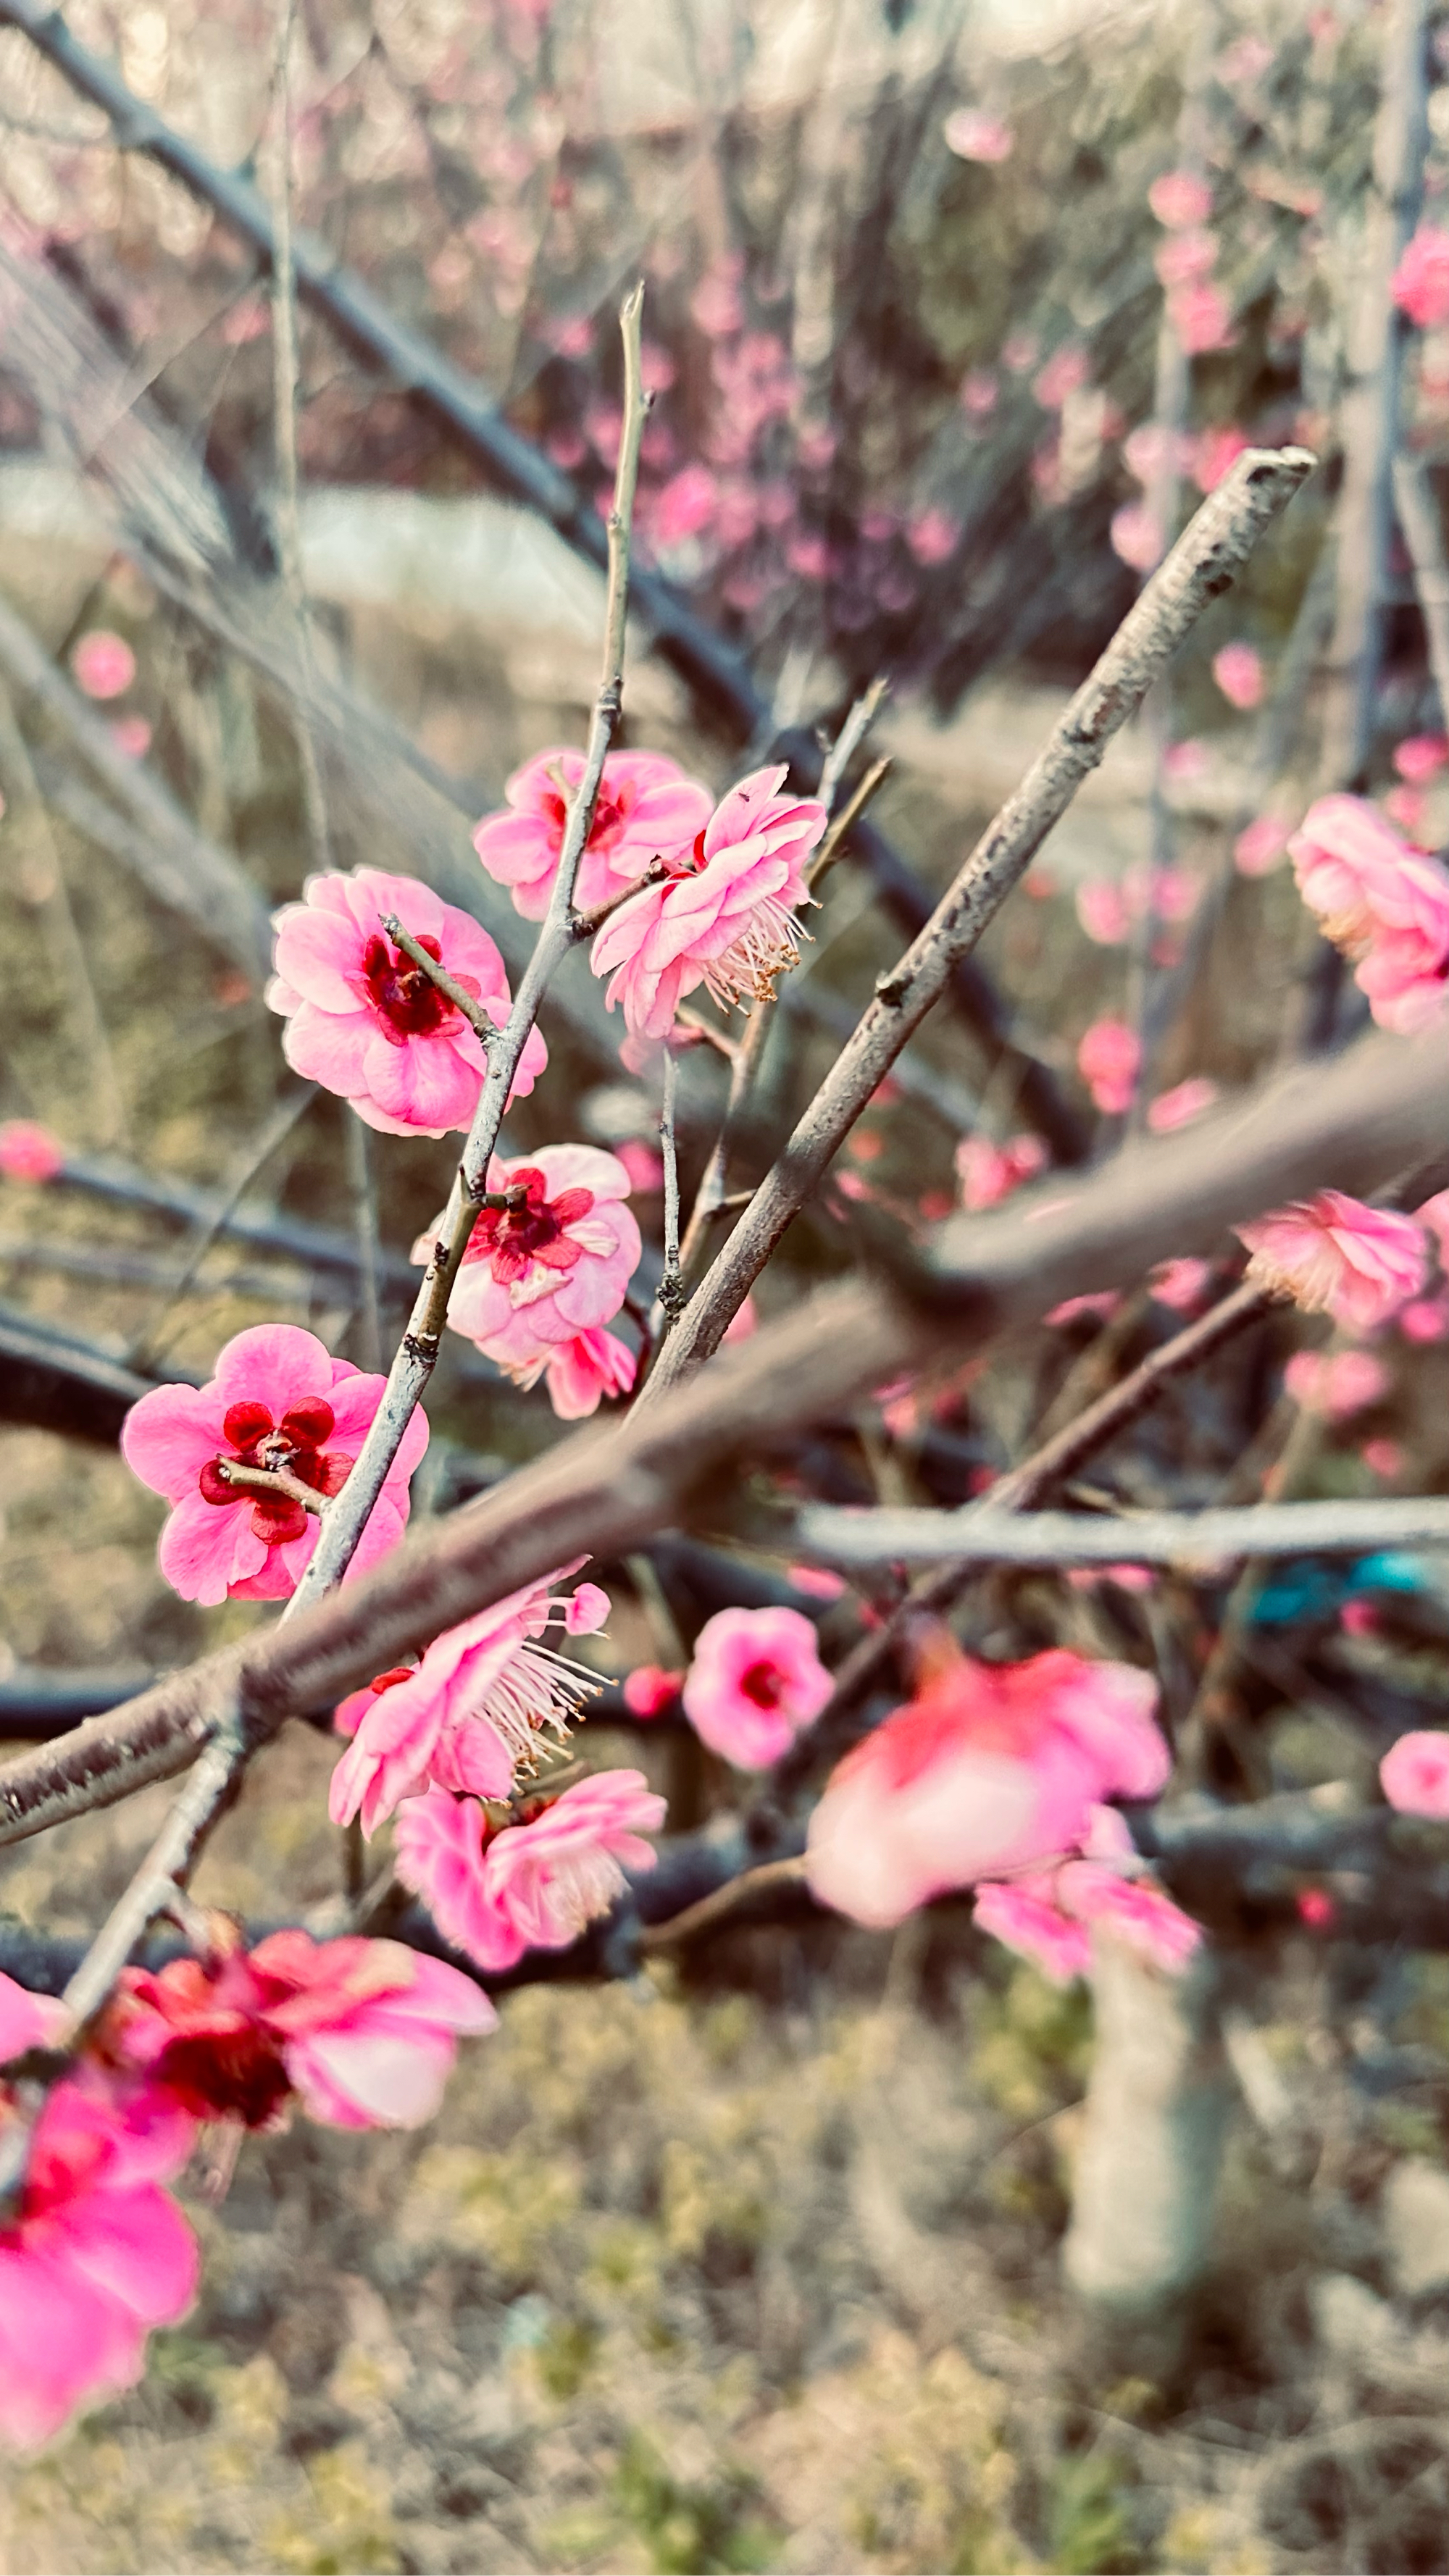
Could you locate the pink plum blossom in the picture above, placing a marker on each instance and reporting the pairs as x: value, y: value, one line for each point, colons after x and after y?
x: 103, y: 663
x: 644, y: 1165
x: 1214, y: 452
x: 579, y: 1372
x: 1180, y: 200
x: 1335, y: 1383
x: 1023, y: 1914
x: 1259, y: 846
x: 1108, y: 1060
x: 649, y: 1690
x: 1180, y: 1285
x: 724, y: 917
x: 1405, y: 806
x: 992, y: 1768
x: 363, y: 2032
x: 973, y: 135
x: 989, y: 1173
x: 1383, y: 1457
x: 647, y: 809
x: 1184, y: 258
x: 682, y: 507
x: 29, y: 1152
x: 755, y: 1682
x: 1136, y: 535
x: 365, y: 1022
x: 1421, y: 757
x: 1382, y: 903
x: 533, y: 1884
x: 131, y: 736
x: 93, y: 2256
x: 1424, y: 1319
x: 1065, y: 373
x: 1414, y: 1773
x: 555, y: 1266
x: 278, y: 1401
x: 1184, y: 761
x: 933, y: 536
x: 1201, y: 317
x: 980, y: 393
x: 1104, y: 911
x: 1332, y: 1255
x: 1238, y: 671
x: 1049, y: 1916
x: 472, y: 1712
x: 1420, y: 283
x: 1099, y: 1303
x: 1186, y: 1101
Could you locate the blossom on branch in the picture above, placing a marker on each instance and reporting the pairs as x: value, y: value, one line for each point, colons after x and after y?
x: 495, y: 1892
x: 1334, y: 1256
x: 991, y: 1768
x: 93, y: 2255
x: 472, y: 1712
x: 578, y: 1372
x: 363, y: 2032
x: 1238, y: 671
x: 1414, y: 1773
x: 280, y: 1403
x: 363, y: 1018
x: 724, y: 915
x: 1420, y: 283
x: 755, y: 1681
x: 553, y: 1267
x: 647, y: 809
x: 989, y: 1173
x: 1386, y: 906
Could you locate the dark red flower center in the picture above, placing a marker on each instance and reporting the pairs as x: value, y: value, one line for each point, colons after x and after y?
x: 294, y: 1446
x: 236, y: 2074
x: 763, y: 1683
x: 511, y: 1239
x: 609, y: 813
x: 407, y: 1002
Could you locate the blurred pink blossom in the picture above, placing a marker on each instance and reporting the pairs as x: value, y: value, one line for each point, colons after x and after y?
x: 103, y: 663
x: 646, y: 809
x: 1383, y: 1457
x: 1048, y: 1917
x: 815, y: 445
x: 1201, y: 317
x: 756, y: 1680
x: 1214, y: 452
x: 933, y: 536
x: 1238, y: 671
x: 1335, y: 1383
x: 974, y: 136
x: 1316, y: 1907
x: 248, y: 319
x: 808, y: 555
x: 533, y: 1884
x: 980, y: 393
x: 683, y: 506
x: 1108, y: 1060
x: 29, y: 1152
x: 131, y: 736
x: 991, y: 1768
x: 1185, y: 258
x: 743, y: 1322
x: 1020, y: 350
x: 817, y: 1582
x: 717, y: 305
x: 1136, y: 535
x: 1182, y: 1284
x: 1184, y: 761
x: 1259, y: 846
x: 643, y: 1163
x: 1103, y: 911
x: 1405, y: 806
x: 1421, y: 757
x: 1333, y: 1255
x: 1383, y: 904
x: 1099, y: 1303
x: 1185, y: 1101
x: 1420, y: 284
x: 1180, y: 200
x: 1424, y: 1319
x: 1414, y: 1773
x: 989, y: 1173
x: 1065, y: 372
x: 649, y: 1690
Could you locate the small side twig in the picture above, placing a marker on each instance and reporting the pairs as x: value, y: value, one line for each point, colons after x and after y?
x: 448, y: 985
x: 722, y: 1901
x: 671, y: 1286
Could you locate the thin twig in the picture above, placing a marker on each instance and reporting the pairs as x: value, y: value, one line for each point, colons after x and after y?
x: 840, y: 830
x: 269, y: 1480
x: 462, y: 1000
x: 364, y: 1226
x: 1424, y: 536
x: 284, y: 424
x: 849, y: 739
x: 671, y: 1292
x: 723, y: 1901
x: 1203, y: 563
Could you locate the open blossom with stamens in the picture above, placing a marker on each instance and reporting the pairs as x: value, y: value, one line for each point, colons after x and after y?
x: 555, y: 1266
x: 533, y: 1884
x: 992, y: 1768
x: 1383, y: 904
x: 363, y: 2032
x: 366, y: 1022
x: 94, y: 2254
x: 647, y: 809
x: 755, y: 1681
x: 472, y: 1712
x: 1334, y: 1256
x: 1414, y: 1773
x: 724, y: 917
x: 278, y: 1401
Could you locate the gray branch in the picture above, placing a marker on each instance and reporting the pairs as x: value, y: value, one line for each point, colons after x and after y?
x: 1192, y: 1540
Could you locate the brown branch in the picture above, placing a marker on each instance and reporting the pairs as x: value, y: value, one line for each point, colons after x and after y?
x: 468, y: 1003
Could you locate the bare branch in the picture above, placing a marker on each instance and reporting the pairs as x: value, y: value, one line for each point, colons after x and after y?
x: 1202, y: 564
x: 1191, y: 1540
x: 462, y: 1000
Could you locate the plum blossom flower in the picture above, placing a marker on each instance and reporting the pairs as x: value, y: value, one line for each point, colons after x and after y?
x: 553, y: 1267
x: 363, y: 2032
x: 1180, y: 200
x: 989, y: 1173
x: 1383, y: 904
x: 278, y: 1401
x: 1184, y: 1102
x: 579, y: 1372
x: 973, y: 135
x: 1420, y: 283
x: 1332, y: 1255
x: 1214, y: 451
x: 367, y: 1023
x: 1383, y: 1457
x: 1185, y: 257
x: 1180, y: 1285
x: 1136, y: 535
x: 104, y: 664
x: 724, y: 917
x: 1108, y: 1060
x: 1259, y: 846
x: 1201, y: 317
x: 933, y: 536
x: 1421, y: 757
x: 1337, y: 1384
x: 1104, y: 911
x: 756, y: 1681
x: 94, y: 2255
x: 1414, y: 1773
x: 992, y: 1768
x: 1424, y: 1319
x: 1049, y: 1915
x: 473, y: 1711
x: 650, y: 1689
x: 533, y: 1884
x: 29, y: 1152
x: 647, y: 807
x: 1238, y: 671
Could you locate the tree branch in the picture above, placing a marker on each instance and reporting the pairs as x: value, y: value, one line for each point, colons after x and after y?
x: 1201, y: 1541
